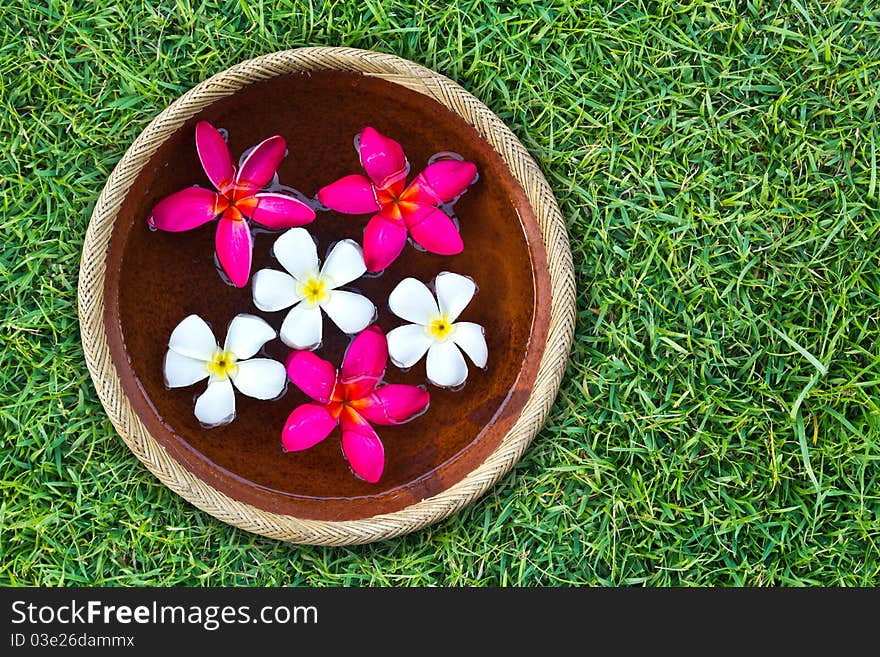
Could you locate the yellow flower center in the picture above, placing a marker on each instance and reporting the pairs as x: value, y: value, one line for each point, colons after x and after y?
x: 315, y: 291
x: 222, y: 364
x: 440, y: 328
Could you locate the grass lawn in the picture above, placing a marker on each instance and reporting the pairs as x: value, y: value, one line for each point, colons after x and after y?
x: 717, y: 166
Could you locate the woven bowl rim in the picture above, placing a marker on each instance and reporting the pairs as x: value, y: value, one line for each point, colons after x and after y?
x: 286, y: 527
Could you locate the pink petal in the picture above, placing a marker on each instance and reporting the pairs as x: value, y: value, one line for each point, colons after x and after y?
x: 384, y: 239
x: 214, y: 154
x: 260, y: 165
x: 276, y: 210
x: 186, y: 209
x: 313, y: 375
x: 353, y: 194
x: 362, y: 447
x: 306, y: 426
x: 234, y: 246
x: 364, y: 362
x: 441, y: 182
x: 434, y: 230
x: 383, y: 159
x: 394, y: 404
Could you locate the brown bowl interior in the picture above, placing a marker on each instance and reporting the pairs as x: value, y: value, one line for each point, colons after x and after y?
x: 155, y: 279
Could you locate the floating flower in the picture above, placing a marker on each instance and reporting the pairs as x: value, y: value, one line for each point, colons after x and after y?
x: 400, y: 208
x: 352, y: 398
x: 434, y: 328
x: 310, y: 290
x: 194, y: 355
x: 237, y: 197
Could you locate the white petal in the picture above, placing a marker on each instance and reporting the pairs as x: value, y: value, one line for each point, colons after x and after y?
x: 454, y: 292
x: 446, y: 366
x: 275, y: 290
x: 182, y: 371
x: 412, y: 300
x: 246, y: 334
x: 216, y: 405
x: 407, y: 344
x: 344, y: 263
x: 472, y: 340
x: 193, y: 338
x: 302, y: 328
x: 296, y: 252
x: 349, y: 311
x: 261, y: 378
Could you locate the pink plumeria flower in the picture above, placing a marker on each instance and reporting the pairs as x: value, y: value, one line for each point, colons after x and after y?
x: 400, y: 208
x: 194, y: 355
x: 352, y: 398
x: 434, y: 329
x: 310, y: 289
x: 237, y: 197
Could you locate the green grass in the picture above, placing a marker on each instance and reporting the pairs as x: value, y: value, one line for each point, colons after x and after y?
x: 717, y: 166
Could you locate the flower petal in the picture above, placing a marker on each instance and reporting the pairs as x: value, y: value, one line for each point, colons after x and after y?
x: 276, y: 210
x: 433, y: 229
x: 344, y: 263
x: 383, y: 159
x: 364, y: 362
x: 187, y: 209
x: 351, y: 312
x: 260, y: 165
x: 274, y: 290
x: 407, y: 344
x: 297, y: 253
x: 214, y: 155
x: 384, y: 239
x: 352, y: 194
x: 472, y: 340
x: 313, y: 375
x: 246, y: 334
x: 193, y: 338
x: 362, y: 447
x: 181, y: 371
x: 394, y: 404
x: 216, y: 405
x: 260, y: 378
x: 234, y: 246
x: 306, y: 426
x: 302, y: 328
x: 441, y: 182
x: 454, y: 293
x: 412, y: 300
x: 445, y: 365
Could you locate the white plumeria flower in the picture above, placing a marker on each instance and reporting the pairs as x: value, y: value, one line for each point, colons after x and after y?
x: 194, y: 355
x: 435, y: 330
x: 309, y: 290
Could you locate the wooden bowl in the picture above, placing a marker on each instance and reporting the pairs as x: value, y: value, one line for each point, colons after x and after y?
x: 137, y: 284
